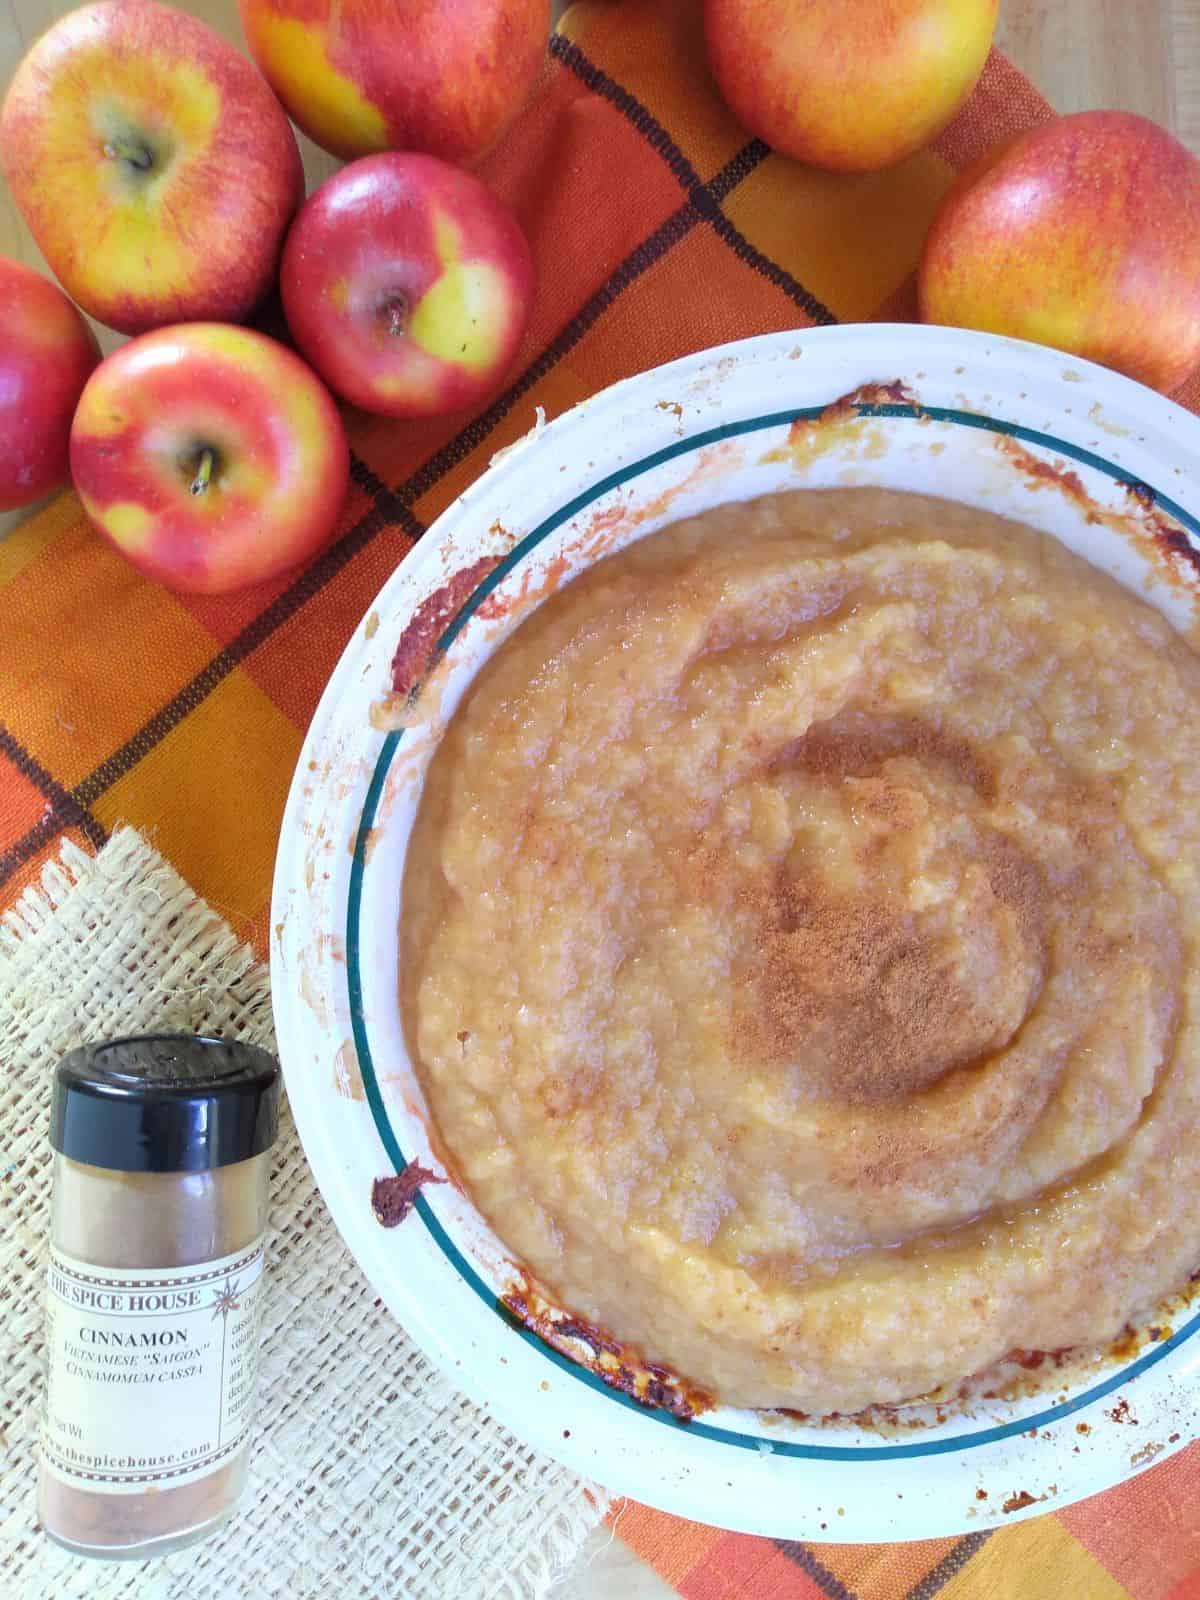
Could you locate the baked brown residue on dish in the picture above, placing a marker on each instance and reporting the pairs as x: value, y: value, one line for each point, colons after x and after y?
x: 1018, y: 1501
x: 621, y: 1367
x: 1042, y: 474
x: 848, y: 417
x: 1144, y: 523
x: 392, y: 1198
x: 892, y: 393
x: 430, y: 620
x: 1169, y: 538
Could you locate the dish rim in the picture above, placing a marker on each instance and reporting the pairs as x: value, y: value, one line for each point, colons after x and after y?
x: 913, y: 411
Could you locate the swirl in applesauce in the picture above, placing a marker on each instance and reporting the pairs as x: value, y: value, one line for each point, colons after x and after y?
x: 798, y: 947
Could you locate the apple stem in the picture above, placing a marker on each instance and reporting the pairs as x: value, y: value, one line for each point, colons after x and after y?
x: 137, y: 155
x: 203, y: 473
x: 395, y: 310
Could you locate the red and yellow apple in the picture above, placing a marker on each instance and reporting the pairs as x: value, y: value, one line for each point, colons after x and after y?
x: 1083, y: 234
x: 852, y: 85
x: 152, y: 163
x: 47, y: 352
x: 210, y: 456
x: 407, y: 285
x: 361, y: 76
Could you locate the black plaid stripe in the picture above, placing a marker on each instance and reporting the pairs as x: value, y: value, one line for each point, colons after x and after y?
x: 365, y: 478
x: 951, y: 1563
x: 644, y: 120
x: 735, y: 171
x: 706, y: 197
x: 63, y: 809
x: 931, y: 1584
x: 802, y: 1556
x: 255, y: 633
x: 385, y: 499
x: 394, y: 507
x: 771, y: 270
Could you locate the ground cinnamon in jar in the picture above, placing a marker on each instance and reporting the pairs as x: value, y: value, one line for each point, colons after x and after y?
x: 160, y: 1205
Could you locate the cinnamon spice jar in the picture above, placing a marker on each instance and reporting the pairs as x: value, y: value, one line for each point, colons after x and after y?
x: 160, y: 1205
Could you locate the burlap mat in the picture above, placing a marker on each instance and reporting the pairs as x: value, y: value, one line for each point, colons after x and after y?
x: 371, y: 1475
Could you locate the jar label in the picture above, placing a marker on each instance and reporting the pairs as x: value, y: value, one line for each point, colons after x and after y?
x: 150, y: 1372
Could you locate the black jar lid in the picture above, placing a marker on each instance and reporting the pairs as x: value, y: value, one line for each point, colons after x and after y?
x: 168, y: 1102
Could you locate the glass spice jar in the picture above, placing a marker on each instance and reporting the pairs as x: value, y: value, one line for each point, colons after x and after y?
x: 160, y: 1206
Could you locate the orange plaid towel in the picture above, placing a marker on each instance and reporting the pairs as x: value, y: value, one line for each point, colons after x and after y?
x: 658, y: 228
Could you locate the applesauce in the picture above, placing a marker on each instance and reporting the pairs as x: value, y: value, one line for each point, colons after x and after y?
x: 798, y: 947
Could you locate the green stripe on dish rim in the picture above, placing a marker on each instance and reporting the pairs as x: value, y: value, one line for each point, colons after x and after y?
x: 453, y: 1255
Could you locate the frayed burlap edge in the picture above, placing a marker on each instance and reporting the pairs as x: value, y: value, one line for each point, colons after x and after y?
x: 372, y: 1476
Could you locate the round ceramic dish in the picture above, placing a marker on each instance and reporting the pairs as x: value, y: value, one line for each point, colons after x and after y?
x: 1108, y: 467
